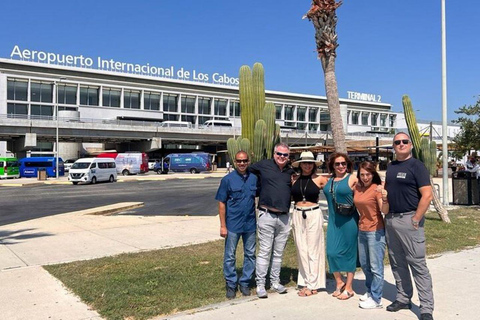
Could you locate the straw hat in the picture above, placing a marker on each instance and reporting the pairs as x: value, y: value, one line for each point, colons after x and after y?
x: 306, y: 156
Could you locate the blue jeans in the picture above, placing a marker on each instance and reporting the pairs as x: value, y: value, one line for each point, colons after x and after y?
x: 229, y: 268
x: 371, y: 251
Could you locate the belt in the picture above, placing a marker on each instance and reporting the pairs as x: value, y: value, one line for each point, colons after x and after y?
x: 401, y: 214
x: 306, y: 209
x: 270, y: 211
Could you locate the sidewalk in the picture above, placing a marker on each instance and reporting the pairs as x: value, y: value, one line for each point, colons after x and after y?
x: 29, y: 292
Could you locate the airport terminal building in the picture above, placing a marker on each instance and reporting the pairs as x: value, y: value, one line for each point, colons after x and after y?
x: 111, y: 101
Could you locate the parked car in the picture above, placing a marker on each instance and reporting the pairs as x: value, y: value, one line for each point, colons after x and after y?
x: 91, y: 170
x: 67, y: 164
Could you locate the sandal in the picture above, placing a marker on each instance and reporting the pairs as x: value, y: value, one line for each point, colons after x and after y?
x: 338, y: 291
x: 305, y: 292
x: 314, y: 291
x: 346, y: 295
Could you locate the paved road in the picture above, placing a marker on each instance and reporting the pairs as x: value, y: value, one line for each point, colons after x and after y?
x: 169, y: 197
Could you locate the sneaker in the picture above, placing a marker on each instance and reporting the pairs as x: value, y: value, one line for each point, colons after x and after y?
x: 397, y: 305
x: 231, y: 292
x: 426, y: 316
x: 279, y: 288
x: 261, y: 292
x: 365, y: 296
x: 245, y: 291
x: 370, y: 304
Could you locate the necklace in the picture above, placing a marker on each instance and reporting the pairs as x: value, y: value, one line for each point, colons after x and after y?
x: 303, y: 189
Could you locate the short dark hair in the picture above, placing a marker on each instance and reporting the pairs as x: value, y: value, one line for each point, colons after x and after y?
x: 331, y: 162
x: 370, y: 167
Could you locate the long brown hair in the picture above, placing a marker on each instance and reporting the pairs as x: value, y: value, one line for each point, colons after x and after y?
x: 370, y: 167
x: 331, y: 162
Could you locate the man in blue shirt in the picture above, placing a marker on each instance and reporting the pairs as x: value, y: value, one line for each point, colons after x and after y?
x: 236, y: 208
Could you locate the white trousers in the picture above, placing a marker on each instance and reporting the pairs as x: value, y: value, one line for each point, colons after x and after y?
x: 310, y: 243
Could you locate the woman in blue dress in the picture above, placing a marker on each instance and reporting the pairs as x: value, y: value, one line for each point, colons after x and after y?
x: 342, y: 230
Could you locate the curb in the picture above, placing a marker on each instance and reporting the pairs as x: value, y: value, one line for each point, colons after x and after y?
x: 110, y: 209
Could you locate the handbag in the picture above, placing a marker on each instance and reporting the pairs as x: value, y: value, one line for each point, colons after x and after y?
x: 341, y: 208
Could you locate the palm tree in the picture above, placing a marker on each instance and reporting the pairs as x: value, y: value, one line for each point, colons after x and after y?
x: 324, y: 19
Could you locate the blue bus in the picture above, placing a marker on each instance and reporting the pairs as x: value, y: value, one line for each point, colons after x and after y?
x: 29, y: 166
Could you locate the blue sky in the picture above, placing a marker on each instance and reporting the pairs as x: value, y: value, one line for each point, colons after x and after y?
x: 388, y: 48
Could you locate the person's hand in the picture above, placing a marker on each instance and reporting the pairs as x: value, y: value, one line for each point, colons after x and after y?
x: 223, y: 232
x: 383, y: 192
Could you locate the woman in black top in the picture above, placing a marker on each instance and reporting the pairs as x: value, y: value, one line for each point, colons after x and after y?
x: 308, y: 225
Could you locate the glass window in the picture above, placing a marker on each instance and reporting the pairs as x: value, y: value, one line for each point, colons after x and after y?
x: 312, y: 114
x: 187, y: 104
x: 289, y: 112
x: 383, y: 120
x: 170, y: 102
x: 170, y: 117
x: 204, y: 105
x: 89, y: 96
x: 202, y: 120
x: 355, y: 116
x: 68, y: 108
x: 220, y: 107
x: 151, y: 101
x: 190, y: 119
x: 131, y: 99
x: 313, y: 127
x: 234, y: 109
x: 365, y: 118
x: 392, y: 121
x: 41, y: 92
x: 374, y: 119
x: 111, y: 97
x: 278, y: 111
x: 38, y: 110
x: 15, y: 110
x: 17, y: 90
x: 67, y: 94
x: 301, y: 126
x: 301, y: 111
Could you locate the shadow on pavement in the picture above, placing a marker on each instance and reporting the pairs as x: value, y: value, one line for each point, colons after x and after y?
x: 11, y: 237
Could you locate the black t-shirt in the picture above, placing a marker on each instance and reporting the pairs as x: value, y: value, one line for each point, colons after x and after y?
x: 275, y: 184
x: 403, y: 181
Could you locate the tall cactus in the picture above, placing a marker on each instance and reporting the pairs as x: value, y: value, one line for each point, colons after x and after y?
x: 433, y: 159
x: 247, y: 102
x: 233, y: 148
x: 258, y: 120
x: 245, y: 145
x: 416, y: 140
x: 412, y: 125
x: 258, y: 90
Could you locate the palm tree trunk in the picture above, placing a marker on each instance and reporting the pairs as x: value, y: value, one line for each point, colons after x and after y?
x: 442, y: 212
x: 333, y: 102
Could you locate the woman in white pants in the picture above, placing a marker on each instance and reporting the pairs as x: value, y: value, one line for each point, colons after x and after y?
x: 308, y: 225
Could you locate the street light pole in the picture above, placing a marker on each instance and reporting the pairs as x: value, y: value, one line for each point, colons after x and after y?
x: 56, y: 132
x: 444, y: 110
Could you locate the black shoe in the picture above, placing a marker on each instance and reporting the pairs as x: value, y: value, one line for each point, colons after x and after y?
x: 245, y: 291
x: 426, y: 316
x: 231, y: 292
x: 397, y: 305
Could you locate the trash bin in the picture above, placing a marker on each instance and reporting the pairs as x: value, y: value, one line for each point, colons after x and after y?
x: 465, y: 188
x: 42, y: 174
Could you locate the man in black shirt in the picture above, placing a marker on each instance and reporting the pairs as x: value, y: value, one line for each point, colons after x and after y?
x: 273, y: 216
x: 409, y: 195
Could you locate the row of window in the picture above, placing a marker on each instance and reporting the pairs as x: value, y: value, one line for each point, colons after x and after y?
x: 374, y: 118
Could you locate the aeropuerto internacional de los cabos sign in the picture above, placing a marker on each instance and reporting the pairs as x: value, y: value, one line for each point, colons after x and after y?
x: 118, y: 66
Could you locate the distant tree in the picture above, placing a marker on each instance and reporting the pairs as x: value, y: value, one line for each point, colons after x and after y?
x: 469, y: 136
x: 324, y: 18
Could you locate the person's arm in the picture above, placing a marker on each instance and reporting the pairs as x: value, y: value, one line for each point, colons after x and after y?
x: 352, y: 181
x: 383, y: 200
x: 223, y: 220
x: 423, y: 204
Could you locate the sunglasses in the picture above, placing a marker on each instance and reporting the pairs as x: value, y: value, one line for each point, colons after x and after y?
x: 280, y: 154
x: 241, y: 160
x: 404, y: 141
x: 338, y: 164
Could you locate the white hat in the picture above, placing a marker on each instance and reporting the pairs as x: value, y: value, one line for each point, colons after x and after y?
x: 306, y: 156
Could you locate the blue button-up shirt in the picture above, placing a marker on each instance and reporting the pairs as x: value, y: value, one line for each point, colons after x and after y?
x: 238, y: 193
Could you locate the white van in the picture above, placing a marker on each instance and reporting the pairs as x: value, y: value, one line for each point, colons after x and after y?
x: 217, y: 124
x: 92, y: 170
x: 176, y: 124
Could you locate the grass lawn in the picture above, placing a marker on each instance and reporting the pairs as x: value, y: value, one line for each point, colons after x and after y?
x: 148, y: 284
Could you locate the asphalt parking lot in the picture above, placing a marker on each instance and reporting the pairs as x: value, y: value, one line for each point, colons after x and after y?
x: 161, y: 197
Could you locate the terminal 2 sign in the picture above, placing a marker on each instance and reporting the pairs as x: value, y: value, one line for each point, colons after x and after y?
x: 118, y: 66
x: 364, y: 96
